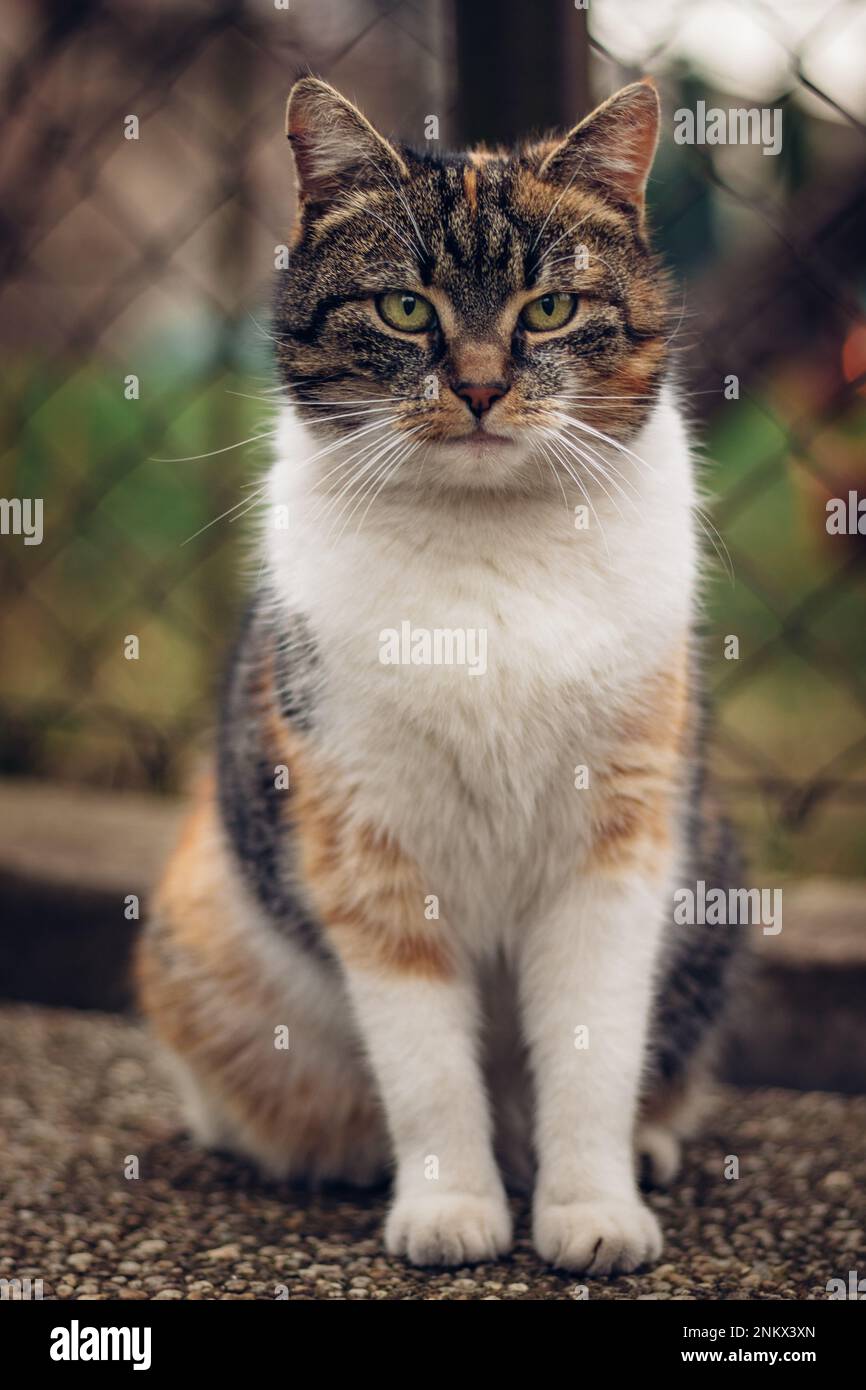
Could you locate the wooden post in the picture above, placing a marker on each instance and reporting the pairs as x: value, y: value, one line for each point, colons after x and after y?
x: 521, y: 67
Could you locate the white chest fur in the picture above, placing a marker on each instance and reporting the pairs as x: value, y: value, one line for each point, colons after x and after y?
x: 471, y: 762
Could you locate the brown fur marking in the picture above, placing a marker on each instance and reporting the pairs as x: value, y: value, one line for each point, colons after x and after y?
x: 368, y: 893
x: 470, y: 185
x: 633, y: 818
x: 210, y: 999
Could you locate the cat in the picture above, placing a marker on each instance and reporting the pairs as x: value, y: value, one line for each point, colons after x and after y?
x: 420, y: 919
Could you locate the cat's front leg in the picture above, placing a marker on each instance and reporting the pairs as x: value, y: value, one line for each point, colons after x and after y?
x: 449, y: 1205
x: 587, y: 977
x: 416, y: 1010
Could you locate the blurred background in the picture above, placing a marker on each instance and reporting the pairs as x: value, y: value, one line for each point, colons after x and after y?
x: 152, y: 257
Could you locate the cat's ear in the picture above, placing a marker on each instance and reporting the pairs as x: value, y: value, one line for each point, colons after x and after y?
x: 613, y: 147
x: 335, y: 146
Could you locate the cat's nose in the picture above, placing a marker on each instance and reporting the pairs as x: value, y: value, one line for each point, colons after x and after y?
x: 480, y: 395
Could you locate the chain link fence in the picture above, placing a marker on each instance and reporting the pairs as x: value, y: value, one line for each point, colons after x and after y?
x: 146, y: 184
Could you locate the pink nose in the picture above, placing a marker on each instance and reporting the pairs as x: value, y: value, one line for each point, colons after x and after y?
x: 480, y: 395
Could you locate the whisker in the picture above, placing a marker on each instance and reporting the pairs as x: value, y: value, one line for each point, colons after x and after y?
x: 596, y: 467
x: 355, y: 414
x: 555, y: 206
x: 679, y: 321
x: 346, y: 414
x: 346, y: 439
x: 401, y: 195
x: 343, y: 463
x: 392, y: 228
x: 264, y: 331
x: 191, y: 458
x: 385, y: 478
x: 712, y: 532
x: 717, y: 540
x: 594, y: 255
x: 246, y: 502
x: 577, y: 482
x: 614, y: 443
x: 601, y: 396
x: 552, y: 467
x: 368, y: 457
x: 355, y: 400
x: 381, y: 459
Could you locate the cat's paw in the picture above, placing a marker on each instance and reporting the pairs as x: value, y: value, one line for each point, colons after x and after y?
x: 607, y: 1236
x: 451, y: 1229
x: 659, y: 1154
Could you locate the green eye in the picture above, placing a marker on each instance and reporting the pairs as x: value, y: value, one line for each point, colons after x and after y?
x: 406, y: 311
x: 550, y: 311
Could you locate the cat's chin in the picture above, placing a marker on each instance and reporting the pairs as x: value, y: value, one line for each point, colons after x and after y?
x: 480, y: 461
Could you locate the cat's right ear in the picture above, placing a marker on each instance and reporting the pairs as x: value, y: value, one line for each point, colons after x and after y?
x: 335, y: 146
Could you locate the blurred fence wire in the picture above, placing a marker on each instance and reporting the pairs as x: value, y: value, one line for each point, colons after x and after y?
x: 135, y: 257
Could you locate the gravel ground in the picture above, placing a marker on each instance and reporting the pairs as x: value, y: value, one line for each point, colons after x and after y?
x: 83, y: 1098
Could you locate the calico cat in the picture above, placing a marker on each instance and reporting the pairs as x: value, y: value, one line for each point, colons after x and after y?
x: 421, y: 920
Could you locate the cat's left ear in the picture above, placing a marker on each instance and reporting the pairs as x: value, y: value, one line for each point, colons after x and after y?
x: 335, y: 146
x: 613, y: 147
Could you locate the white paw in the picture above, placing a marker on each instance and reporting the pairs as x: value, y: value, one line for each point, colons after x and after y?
x: 448, y: 1229
x: 610, y: 1235
x: 659, y: 1153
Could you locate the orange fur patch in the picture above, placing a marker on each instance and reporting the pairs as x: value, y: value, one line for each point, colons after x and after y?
x: 210, y: 999
x: 481, y: 156
x: 636, y: 789
x: 192, y: 902
x: 470, y: 186
x: 637, y: 371
x: 369, y: 894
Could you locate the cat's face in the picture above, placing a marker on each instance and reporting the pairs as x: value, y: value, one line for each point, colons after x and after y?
x: 470, y: 319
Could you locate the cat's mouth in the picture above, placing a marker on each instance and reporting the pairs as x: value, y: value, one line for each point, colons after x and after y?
x: 481, y: 440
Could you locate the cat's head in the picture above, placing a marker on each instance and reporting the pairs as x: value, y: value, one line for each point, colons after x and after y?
x: 465, y: 317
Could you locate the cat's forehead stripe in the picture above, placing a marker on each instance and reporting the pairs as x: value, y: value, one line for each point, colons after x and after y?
x: 470, y: 184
